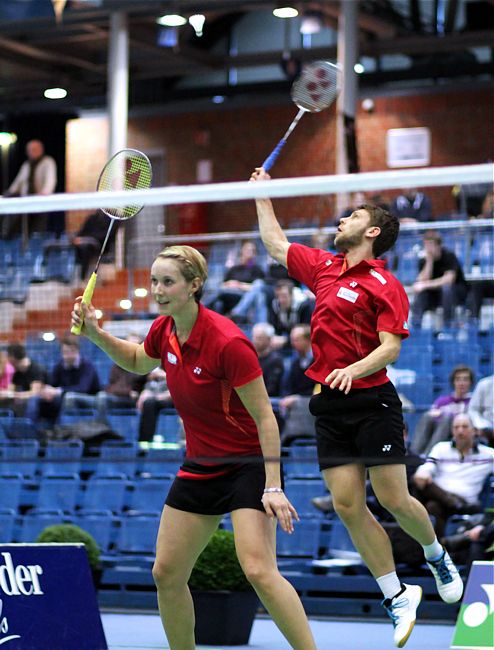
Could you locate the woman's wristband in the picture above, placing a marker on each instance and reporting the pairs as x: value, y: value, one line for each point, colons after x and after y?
x: 276, y: 490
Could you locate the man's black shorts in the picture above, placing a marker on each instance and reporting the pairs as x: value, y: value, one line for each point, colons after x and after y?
x: 242, y: 487
x: 365, y: 426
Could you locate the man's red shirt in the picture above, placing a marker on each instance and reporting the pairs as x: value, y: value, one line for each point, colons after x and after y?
x: 352, y: 306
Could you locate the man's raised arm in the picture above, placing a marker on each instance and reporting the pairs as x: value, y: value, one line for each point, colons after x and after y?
x: 271, y: 232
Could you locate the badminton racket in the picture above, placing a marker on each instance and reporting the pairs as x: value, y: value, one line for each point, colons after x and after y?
x: 315, y: 89
x: 130, y: 170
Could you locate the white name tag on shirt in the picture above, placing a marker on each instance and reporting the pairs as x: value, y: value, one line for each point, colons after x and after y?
x: 172, y: 358
x: 347, y: 294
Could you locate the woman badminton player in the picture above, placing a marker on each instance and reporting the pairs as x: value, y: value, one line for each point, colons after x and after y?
x: 216, y: 383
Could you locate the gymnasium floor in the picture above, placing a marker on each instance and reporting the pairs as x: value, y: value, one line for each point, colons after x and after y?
x: 144, y: 632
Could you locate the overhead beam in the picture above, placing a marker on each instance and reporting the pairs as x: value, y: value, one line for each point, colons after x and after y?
x: 368, y: 22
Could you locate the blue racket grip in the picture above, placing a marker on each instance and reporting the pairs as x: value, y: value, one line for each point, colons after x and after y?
x: 271, y: 159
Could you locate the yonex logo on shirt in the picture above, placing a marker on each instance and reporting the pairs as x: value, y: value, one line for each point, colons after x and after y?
x: 197, y: 371
x: 387, y: 448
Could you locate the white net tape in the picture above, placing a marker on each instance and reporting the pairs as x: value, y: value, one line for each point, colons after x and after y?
x: 237, y: 191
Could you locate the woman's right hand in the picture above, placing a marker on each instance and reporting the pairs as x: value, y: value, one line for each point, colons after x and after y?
x: 85, y: 314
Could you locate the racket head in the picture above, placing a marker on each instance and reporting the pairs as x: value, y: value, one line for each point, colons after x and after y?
x: 317, y: 86
x: 128, y: 169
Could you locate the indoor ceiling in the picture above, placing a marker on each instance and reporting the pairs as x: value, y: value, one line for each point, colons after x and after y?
x: 402, y: 43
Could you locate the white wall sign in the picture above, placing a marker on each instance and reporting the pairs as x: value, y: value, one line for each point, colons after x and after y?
x: 408, y: 147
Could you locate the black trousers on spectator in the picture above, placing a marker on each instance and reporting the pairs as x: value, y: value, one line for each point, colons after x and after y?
x: 149, y: 416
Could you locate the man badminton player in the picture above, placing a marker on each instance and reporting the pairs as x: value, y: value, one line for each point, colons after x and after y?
x: 359, y: 321
x: 215, y: 380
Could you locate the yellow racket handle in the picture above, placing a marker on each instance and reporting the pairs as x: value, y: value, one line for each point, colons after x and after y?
x: 86, y: 299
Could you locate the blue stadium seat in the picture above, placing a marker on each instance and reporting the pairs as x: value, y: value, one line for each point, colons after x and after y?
x: 105, y: 492
x: 301, y: 491
x: 138, y: 532
x: 162, y: 461
x: 7, y: 525
x: 62, y: 458
x: 10, y: 490
x: 19, y: 457
x: 150, y: 493
x: 58, y: 493
x: 168, y: 425
x: 73, y: 416
x: 35, y: 521
x: 116, y: 458
x: 21, y: 429
x: 301, y: 461
x: 98, y: 523
x: 125, y: 422
x: 303, y: 542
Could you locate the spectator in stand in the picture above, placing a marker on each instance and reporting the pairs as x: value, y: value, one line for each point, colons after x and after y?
x: 6, y: 372
x: 270, y: 361
x: 475, y: 542
x: 452, y: 478
x: 440, y: 282
x: 122, y: 391
x: 481, y: 409
x: 27, y: 380
x: 288, y: 308
x: 294, y: 406
x: 435, y: 425
x: 88, y: 241
x: 154, y: 397
x: 72, y: 379
x: 412, y: 206
x: 37, y: 175
x: 242, y: 289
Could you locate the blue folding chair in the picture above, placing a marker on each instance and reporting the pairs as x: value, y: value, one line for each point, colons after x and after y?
x: 301, y: 461
x: 105, y: 492
x: 138, y: 532
x: 303, y: 542
x: 58, y: 493
x: 161, y: 461
x: 150, y: 493
x: 301, y: 491
x: 125, y: 422
x: 21, y: 429
x: 116, y: 457
x: 7, y: 525
x: 10, y: 491
x: 19, y: 457
x: 35, y: 521
x: 168, y: 425
x: 62, y: 458
x: 340, y: 543
x: 98, y: 523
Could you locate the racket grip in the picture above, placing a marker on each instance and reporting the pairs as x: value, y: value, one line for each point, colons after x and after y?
x: 86, y: 299
x: 271, y: 159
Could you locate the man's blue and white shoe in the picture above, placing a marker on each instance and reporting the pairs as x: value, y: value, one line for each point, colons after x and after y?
x: 402, y: 610
x: 448, y: 580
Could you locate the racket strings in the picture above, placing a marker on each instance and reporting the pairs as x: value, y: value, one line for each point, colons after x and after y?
x: 317, y: 87
x: 126, y: 171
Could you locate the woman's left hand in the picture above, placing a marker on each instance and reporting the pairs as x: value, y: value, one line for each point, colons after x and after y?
x: 277, y: 505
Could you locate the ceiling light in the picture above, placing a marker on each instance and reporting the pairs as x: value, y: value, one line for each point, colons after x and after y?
x: 218, y: 99
x: 6, y: 138
x: 358, y: 68
x: 140, y: 292
x: 171, y: 20
x: 125, y: 304
x: 197, y: 22
x: 55, y: 93
x: 285, y: 12
x: 48, y: 336
x: 311, y: 23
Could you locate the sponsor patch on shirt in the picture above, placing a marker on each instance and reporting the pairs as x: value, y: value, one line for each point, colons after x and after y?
x: 347, y: 294
x: 378, y: 276
x: 172, y: 358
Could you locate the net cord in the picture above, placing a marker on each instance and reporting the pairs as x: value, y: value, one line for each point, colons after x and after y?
x: 245, y: 190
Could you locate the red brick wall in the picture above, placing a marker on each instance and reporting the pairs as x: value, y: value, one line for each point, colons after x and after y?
x: 236, y: 141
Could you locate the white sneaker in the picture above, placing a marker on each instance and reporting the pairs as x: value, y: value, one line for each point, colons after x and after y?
x: 448, y: 581
x: 402, y: 609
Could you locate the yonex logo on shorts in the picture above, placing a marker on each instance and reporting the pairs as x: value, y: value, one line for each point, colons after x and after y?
x: 386, y: 447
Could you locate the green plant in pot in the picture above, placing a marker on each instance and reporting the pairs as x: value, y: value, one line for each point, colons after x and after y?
x: 225, y: 604
x: 69, y: 534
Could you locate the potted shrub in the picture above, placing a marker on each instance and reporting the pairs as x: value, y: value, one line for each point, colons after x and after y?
x: 225, y: 603
x: 69, y: 533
